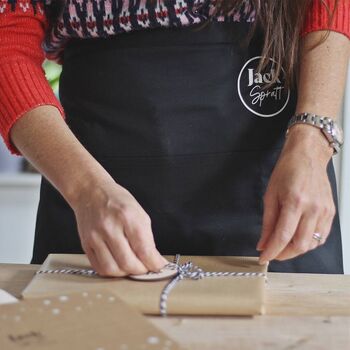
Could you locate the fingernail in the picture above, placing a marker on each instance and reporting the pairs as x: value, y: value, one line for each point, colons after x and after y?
x: 262, y: 258
x: 263, y: 261
x: 163, y: 262
x: 259, y: 246
x: 165, y: 259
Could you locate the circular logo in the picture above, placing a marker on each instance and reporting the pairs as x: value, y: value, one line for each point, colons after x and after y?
x: 258, y: 100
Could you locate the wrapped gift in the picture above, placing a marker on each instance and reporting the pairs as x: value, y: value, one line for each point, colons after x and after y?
x: 202, y: 285
x: 93, y: 320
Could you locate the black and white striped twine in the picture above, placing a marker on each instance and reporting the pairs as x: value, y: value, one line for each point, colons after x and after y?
x: 82, y: 272
x: 185, y: 271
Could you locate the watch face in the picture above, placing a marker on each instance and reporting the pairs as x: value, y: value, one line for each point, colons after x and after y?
x: 338, y: 133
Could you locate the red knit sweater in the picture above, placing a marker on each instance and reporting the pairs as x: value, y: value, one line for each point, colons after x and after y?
x: 23, y: 85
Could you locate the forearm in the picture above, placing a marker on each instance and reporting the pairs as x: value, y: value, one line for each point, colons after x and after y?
x: 114, y: 230
x: 323, y: 74
x: 46, y: 141
x: 320, y: 88
x: 299, y: 200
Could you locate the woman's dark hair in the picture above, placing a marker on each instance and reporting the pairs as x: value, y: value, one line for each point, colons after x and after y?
x: 282, y: 22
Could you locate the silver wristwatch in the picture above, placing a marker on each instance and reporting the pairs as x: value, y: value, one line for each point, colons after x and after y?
x: 328, y: 126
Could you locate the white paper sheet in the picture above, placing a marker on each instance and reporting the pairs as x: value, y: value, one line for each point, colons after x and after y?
x: 6, y: 298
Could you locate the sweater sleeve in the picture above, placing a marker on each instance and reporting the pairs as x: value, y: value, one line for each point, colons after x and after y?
x: 23, y: 85
x: 318, y: 14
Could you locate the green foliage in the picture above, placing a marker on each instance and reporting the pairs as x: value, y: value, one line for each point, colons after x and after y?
x: 52, y: 72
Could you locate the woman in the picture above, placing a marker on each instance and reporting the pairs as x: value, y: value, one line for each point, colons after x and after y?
x: 175, y: 128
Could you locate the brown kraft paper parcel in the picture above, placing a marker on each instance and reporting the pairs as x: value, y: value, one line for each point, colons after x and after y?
x: 78, y: 321
x: 226, y: 295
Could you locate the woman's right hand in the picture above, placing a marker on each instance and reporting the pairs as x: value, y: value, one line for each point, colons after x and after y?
x: 115, y: 231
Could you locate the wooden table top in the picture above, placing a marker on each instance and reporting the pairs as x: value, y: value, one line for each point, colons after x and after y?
x: 303, y: 311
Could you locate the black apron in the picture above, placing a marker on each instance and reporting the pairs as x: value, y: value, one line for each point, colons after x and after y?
x: 177, y: 117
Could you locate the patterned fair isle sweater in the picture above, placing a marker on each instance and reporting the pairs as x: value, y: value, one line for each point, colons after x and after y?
x: 32, y: 30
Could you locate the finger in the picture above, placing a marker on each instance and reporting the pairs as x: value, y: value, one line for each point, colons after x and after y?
x: 323, y: 227
x: 302, y: 239
x: 92, y: 258
x: 286, y: 225
x: 123, y: 254
x: 269, y: 221
x: 106, y: 265
x: 314, y: 242
x: 141, y: 240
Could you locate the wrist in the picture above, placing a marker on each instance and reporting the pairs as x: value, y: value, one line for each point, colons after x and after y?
x: 86, y: 185
x: 309, y: 140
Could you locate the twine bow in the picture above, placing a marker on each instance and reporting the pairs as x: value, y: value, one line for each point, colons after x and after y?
x: 193, y: 272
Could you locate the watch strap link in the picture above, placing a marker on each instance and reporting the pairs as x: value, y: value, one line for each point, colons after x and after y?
x: 326, y: 125
x: 311, y: 119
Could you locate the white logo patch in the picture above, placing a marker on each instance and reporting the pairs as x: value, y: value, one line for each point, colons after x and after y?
x: 263, y: 103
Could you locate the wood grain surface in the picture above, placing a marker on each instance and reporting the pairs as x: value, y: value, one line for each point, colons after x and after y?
x: 303, y: 311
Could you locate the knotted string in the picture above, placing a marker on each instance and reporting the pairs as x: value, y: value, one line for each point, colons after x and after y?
x: 184, y: 271
x: 193, y: 272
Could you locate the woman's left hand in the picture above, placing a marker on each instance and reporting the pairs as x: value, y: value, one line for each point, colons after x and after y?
x: 298, y: 201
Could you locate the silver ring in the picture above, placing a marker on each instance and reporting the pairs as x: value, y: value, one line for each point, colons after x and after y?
x: 317, y: 236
